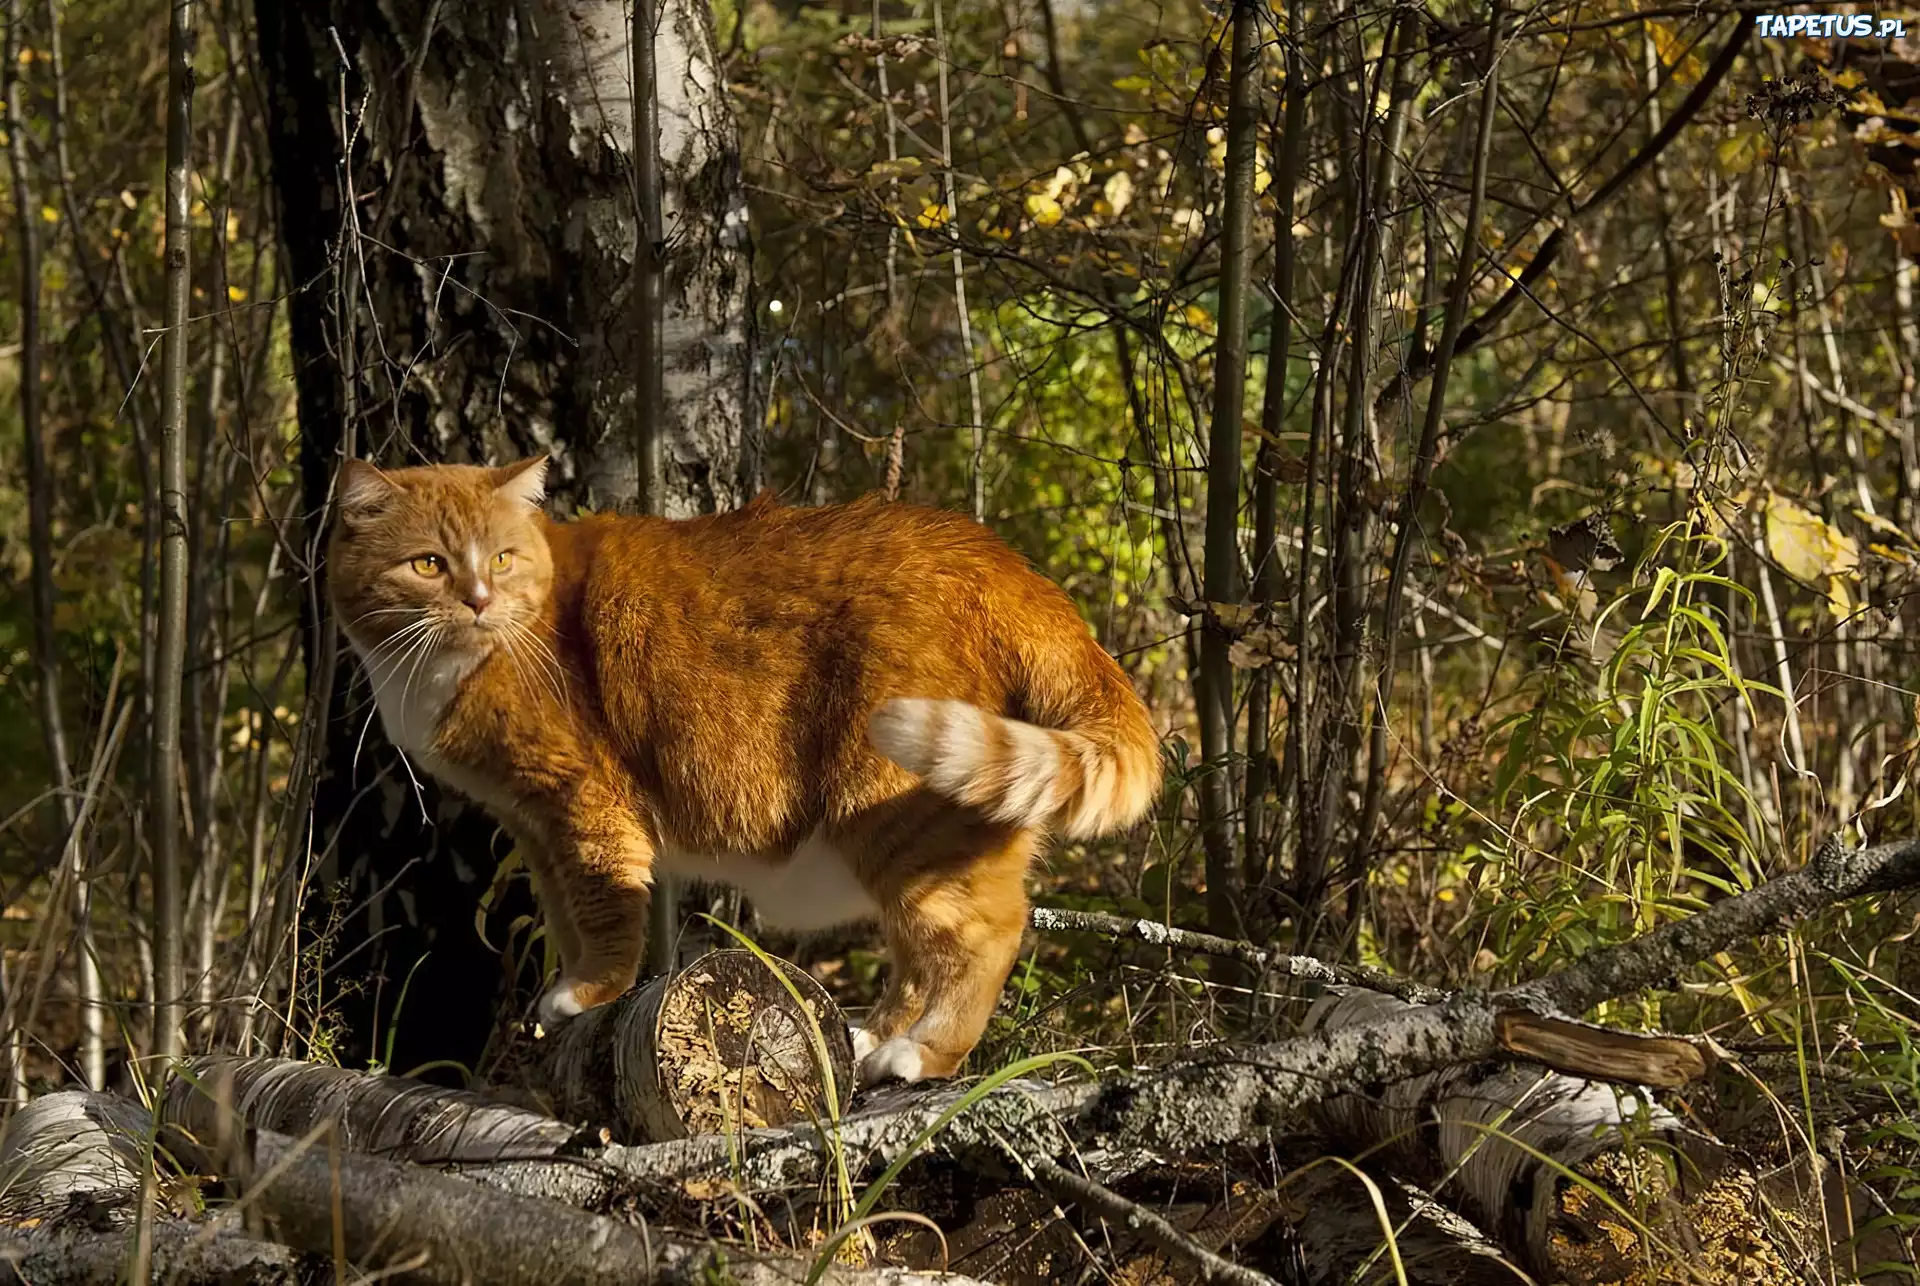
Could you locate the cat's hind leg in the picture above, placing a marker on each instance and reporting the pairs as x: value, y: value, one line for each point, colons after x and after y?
x: 952, y: 893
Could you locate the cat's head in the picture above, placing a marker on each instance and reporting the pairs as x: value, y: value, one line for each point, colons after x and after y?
x: 444, y: 557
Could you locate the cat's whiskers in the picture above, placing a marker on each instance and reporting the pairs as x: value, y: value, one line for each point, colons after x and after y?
x: 372, y: 613
x: 513, y: 658
x: 400, y: 636
x: 542, y: 659
x: 546, y: 651
x: 417, y: 635
x: 420, y: 656
x: 551, y: 659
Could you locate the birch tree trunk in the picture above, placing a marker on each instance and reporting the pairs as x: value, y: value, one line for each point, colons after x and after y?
x: 458, y: 202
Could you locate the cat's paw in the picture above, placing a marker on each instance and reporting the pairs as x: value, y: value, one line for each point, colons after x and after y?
x: 561, y: 1001
x: 864, y: 1043
x: 899, y: 1059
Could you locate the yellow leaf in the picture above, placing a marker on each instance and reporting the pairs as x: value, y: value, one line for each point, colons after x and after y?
x: 932, y: 215
x: 128, y: 199
x: 238, y: 293
x: 1672, y: 51
x: 883, y: 171
x: 1118, y: 192
x: 1044, y: 210
x: 1062, y: 179
x: 49, y: 215
x: 1891, y: 554
x: 1839, y: 601
x: 1883, y: 526
x: 1805, y: 546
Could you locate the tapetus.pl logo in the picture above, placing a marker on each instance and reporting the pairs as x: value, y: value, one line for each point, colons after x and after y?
x: 1829, y: 26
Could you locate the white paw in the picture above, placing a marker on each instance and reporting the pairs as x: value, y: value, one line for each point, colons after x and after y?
x: 863, y: 1043
x: 558, y: 1003
x: 897, y: 1059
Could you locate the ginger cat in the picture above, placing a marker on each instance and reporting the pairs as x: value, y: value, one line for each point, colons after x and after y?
x: 864, y: 711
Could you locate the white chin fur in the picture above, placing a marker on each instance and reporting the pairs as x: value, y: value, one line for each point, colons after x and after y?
x: 863, y: 1043
x: 897, y: 1060
x: 558, y: 1003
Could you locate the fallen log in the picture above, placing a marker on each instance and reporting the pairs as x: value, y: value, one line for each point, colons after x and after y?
x: 399, y: 1119
x: 67, y: 1145
x: 215, y: 1099
x: 71, y: 1166
x: 721, y: 1044
x: 1544, y: 1163
x: 421, y: 1226
x: 1335, y: 1234
x: 184, y: 1254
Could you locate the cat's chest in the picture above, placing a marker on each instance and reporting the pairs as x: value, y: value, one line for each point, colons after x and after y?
x: 413, y: 699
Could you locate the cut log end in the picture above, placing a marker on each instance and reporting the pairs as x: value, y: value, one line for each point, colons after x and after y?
x: 1622, y: 1221
x: 718, y: 1047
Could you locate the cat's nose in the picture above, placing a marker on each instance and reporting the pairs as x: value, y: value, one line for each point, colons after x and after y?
x: 477, y: 597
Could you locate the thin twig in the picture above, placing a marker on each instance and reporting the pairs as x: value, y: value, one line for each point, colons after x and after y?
x: 977, y: 474
x: 1053, y: 919
x: 1064, y: 1185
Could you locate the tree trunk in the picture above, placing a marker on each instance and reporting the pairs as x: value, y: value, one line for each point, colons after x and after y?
x: 1221, y: 581
x: 163, y: 779
x: 467, y: 269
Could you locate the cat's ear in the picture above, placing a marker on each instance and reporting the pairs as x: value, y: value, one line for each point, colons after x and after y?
x: 525, y: 482
x: 363, y: 491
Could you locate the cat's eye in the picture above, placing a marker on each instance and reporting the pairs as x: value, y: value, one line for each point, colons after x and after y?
x: 503, y: 560
x: 429, y: 565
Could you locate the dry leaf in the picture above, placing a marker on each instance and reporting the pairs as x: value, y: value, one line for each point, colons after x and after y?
x: 1260, y: 646
x: 1805, y: 545
x: 1043, y: 209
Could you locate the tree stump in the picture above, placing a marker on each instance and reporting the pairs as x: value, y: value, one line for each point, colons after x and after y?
x: 718, y: 1047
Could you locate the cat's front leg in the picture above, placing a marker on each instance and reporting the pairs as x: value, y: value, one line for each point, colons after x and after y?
x: 601, y: 861
x: 551, y: 895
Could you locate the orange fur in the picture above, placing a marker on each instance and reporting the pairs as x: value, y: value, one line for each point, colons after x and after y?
x: 860, y: 711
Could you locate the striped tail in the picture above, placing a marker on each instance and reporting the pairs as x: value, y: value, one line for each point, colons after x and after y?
x: 1092, y: 779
